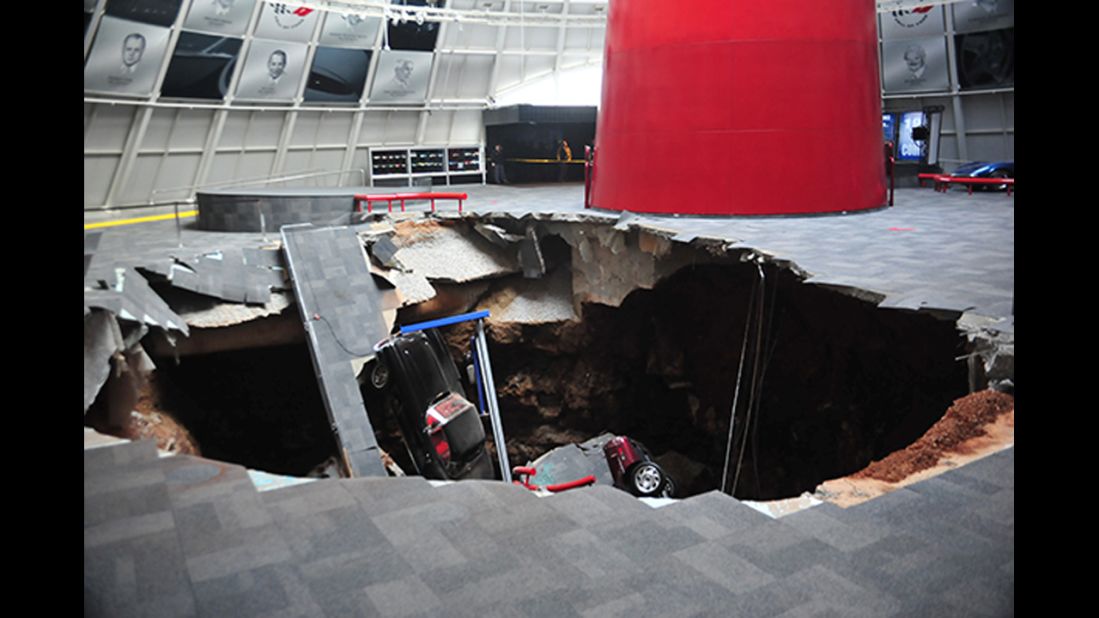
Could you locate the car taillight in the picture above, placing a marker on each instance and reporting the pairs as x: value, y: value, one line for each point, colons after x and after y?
x: 438, y: 438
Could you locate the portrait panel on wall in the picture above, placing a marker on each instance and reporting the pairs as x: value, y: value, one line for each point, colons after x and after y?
x: 414, y: 34
x: 401, y: 77
x: 915, y: 65
x: 125, y: 57
x: 915, y: 22
x: 272, y: 71
x: 981, y: 15
x: 158, y: 12
x: 337, y: 75
x: 201, y: 67
x: 349, y: 30
x: 220, y: 16
x: 284, y: 21
x: 986, y: 59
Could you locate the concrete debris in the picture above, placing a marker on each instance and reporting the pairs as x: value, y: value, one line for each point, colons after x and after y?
x: 450, y: 299
x: 102, y: 339
x: 206, y: 312
x: 573, y: 461
x: 91, y: 244
x: 413, y: 287
x: 530, y: 255
x: 127, y: 294
x: 496, y: 234
x: 524, y: 301
x: 385, y: 251
x: 450, y: 253
x: 608, y: 264
x: 230, y: 274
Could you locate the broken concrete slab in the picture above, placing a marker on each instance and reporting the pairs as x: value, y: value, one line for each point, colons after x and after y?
x: 127, y: 294
x: 102, y: 338
x: 496, y: 234
x: 525, y: 301
x: 450, y: 252
x: 229, y: 274
x: 530, y: 255
x: 202, y: 311
x: 385, y: 251
x: 413, y: 287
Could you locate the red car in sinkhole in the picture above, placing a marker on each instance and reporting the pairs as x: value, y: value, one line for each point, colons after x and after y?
x: 633, y: 469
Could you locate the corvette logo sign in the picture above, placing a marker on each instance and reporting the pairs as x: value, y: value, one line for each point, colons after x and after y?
x: 289, y: 17
x: 912, y: 18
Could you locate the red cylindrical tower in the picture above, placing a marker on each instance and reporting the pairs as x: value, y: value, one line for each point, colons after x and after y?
x: 740, y: 107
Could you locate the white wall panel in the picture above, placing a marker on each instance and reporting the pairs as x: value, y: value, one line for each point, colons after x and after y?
x: 264, y: 130
x: 463, y: 76
x: 373, y: 128
x: 335, y: 128
x: 437, y: 130
x: 176, y: 171
x: 466, y: 128
x: 1009, y: 110
x: 400, y: 127
x: 531, y: 38
x: 98, y: 171
x: 983, y: 112
x: 142, y: 180
x: 987, y: 147
x: 109, y: 128
x: 305, y: 128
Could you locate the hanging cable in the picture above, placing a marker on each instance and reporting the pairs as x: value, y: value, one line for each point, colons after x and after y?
x: 736, y: 392
x: 753, y: 391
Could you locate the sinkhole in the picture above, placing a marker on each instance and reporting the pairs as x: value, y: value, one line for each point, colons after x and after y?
x: 825, y: 382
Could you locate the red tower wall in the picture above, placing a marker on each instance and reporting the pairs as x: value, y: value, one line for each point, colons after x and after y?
x: 740, y: 107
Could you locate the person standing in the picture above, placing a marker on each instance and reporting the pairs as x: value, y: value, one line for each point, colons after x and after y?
x: 496, y: 157
x: 564, y: 155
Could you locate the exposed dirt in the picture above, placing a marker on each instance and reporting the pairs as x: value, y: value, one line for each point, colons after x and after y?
x: 968, y: 418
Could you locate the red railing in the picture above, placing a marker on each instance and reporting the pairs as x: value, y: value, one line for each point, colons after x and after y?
x: 389, y: 198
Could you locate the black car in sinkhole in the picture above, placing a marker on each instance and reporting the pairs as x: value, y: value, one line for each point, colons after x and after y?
x: 414, y: 379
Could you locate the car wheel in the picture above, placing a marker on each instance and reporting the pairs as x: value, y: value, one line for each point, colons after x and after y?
x: 669, y: 488
x: 379, y: 376
x: 646, y: 479
x: 999, y: 174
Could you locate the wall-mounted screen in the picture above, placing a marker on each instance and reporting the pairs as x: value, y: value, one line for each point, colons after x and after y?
x: 909, y: 149
x: 337, y: 75
x: 202, y: 66
x: 980, y: 15
x: 986, y: 59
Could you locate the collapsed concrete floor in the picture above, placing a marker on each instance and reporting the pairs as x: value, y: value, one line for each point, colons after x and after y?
x: 595, y: 329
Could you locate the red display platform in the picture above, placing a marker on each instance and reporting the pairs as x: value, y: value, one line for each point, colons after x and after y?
x: 738, y: 107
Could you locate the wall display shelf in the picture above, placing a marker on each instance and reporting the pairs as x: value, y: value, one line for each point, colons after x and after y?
x: 417, y: 166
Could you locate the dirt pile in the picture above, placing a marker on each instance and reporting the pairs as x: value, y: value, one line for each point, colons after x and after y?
x: 966, y: 419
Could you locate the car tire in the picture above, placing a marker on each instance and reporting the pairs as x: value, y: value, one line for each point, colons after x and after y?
x: 379, y: 375
x: 646, y: 479
x: 669, y: 488
x: 999, y: 174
